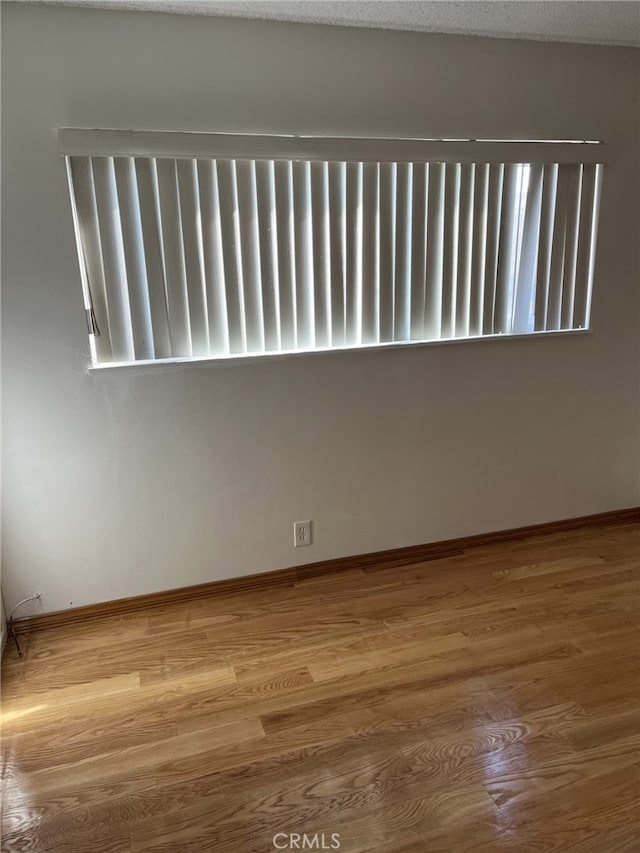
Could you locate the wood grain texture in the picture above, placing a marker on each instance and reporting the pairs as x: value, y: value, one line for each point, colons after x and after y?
x: 480, y: 699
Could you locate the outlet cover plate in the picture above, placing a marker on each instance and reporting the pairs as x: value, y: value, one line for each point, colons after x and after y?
x: 301, y: 533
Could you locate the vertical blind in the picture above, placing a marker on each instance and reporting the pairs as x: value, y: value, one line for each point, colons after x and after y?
x: 185, y: 255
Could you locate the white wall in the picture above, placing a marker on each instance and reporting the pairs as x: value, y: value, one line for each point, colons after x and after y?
x: 122, y: 483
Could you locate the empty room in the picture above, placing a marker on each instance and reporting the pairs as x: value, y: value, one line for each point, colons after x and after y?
x: 320, y: 426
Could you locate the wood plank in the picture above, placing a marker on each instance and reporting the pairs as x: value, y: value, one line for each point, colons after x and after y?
x: 478, y: 698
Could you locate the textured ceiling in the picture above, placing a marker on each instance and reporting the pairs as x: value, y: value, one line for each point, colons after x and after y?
x: 604, y: 22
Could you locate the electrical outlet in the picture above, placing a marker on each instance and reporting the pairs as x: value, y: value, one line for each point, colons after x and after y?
x: 301, y: 533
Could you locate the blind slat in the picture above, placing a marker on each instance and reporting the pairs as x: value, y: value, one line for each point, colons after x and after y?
x: 549, y: 184
x: 586, y: 238
x: 354, y: 252
x: 92, y: 326
x: 432, y: 320
x: 387, y: 249
x: 212, y: 251
x: 110, y: 229
x: 230, y: 226
x: 419, y: 191
x: 571, y: 250
x: 190, y: 217
x: 136, y: 271
x: 405, y: 193
x: 595, y: 214
x: 465, y: 246
x: 91, y: 252
x: 371, y: 252
x: 338, y: 243
x: 286, y: 254
x: 321, y: 252
x: 173, y: 252
x: 554, y: 304
x: 147, y: 181
x: 250, y: 254
x: 450, y: 249
x: 507, y: 250
x: 265, y: 181
x: 494, y: 211
x: 526, y: 273
x: 304, y: 255
x: 478, y: 255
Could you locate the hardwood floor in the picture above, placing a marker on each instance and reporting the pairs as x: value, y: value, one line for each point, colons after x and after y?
x: 483, y: 701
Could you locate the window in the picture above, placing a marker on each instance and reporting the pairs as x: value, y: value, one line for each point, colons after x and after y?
x: 212, y: 245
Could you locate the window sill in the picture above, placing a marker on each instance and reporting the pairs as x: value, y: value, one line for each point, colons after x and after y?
x: 248, y: 358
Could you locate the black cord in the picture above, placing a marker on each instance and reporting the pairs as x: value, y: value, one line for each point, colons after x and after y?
x: 10, y: 629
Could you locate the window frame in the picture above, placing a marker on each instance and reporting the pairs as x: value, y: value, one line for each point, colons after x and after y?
x: 88, y: 143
